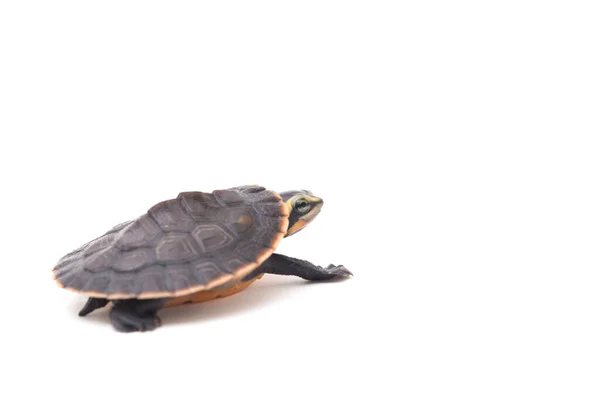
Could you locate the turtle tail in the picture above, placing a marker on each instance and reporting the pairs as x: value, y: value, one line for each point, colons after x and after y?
x: 92, y: 304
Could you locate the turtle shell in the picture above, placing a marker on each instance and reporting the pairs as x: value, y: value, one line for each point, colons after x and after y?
x: 194, y: 242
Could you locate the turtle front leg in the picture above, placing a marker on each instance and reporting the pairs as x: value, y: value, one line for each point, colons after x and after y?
x: 283, y: 265
x: 136, y: 315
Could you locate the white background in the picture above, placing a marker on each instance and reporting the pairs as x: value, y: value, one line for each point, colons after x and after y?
x: 455, y: 145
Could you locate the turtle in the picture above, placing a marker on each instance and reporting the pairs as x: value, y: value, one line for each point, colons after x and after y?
x: 196, y: 247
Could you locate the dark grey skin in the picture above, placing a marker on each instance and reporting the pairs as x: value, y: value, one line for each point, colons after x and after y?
x: 141, y: 315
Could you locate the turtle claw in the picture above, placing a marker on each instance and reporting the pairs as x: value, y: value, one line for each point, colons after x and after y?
x: 150, y: 323
x: 338, y: 271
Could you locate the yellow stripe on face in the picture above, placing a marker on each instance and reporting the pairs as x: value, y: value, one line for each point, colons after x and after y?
x: 290, y: 204
x: 297, y: 226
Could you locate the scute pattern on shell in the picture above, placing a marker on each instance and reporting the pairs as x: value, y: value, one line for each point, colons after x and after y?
x: 194, y: 242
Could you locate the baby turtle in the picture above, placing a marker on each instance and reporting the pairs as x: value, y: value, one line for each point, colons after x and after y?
x: 196, y: 247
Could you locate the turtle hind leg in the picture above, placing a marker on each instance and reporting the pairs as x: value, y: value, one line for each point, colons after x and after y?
x: 92, y: 304
x: 136, y: 315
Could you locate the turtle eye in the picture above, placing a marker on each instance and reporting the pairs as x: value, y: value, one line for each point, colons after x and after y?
x: 302, y: 206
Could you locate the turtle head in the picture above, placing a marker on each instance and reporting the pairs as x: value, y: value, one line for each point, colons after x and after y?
x: 303, y: 207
